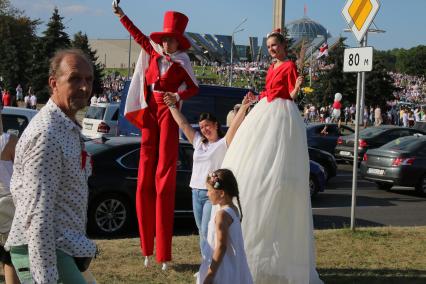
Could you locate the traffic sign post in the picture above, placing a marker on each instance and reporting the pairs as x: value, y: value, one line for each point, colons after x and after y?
x: 359, y: 15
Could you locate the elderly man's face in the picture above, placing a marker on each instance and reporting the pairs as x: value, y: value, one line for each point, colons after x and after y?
x: 72, y: 86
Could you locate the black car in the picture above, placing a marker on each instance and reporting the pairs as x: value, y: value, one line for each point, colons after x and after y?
x: 324, y: 135
x: 401, y: 162
x: 326, y: 160
x: 112, y: 186
x: 370, y: 138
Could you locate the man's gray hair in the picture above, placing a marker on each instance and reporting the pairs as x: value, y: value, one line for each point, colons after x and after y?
x: 56, y: 60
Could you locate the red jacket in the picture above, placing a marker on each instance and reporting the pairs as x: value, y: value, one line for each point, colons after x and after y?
x: 175, y: 75
x: 6, y: 99
x: 280, y: 82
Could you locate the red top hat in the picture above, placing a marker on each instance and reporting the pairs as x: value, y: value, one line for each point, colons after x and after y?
x: 174, y: 25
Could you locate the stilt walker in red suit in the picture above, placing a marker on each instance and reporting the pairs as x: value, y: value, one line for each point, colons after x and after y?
x: 162, y: 68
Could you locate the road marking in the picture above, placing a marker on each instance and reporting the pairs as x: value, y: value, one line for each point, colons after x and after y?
x: 358, y: 206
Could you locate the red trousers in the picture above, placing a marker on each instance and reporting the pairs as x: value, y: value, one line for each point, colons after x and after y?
x: 155, y: 195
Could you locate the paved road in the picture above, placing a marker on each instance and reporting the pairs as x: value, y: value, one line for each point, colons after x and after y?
x: 399, y: 207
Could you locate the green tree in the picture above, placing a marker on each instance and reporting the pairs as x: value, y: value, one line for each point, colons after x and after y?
x: 388, y: 59
x: 17, y: 35
x: 81, y: 41
x: 7, y: 9
x: 417, y: 61
x: 54, y: 38
x: 379, y: 86
x: 411, y: 61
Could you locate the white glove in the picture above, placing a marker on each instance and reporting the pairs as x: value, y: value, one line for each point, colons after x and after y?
x: 115, y: 3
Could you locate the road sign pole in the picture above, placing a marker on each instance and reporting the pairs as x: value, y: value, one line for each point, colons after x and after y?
x: 360, y: 93
x: 362, y: 104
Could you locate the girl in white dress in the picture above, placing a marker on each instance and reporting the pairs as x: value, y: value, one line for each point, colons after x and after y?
x: 225, y: 260
x: 269, y: 157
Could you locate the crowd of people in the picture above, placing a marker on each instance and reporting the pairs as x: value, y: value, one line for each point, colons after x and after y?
x: 411, y: 89
x: 247, y: 74
x: 397, y: 114
x: 12, y: 99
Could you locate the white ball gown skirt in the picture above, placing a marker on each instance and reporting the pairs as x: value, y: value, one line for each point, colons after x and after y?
x: 269, y: 158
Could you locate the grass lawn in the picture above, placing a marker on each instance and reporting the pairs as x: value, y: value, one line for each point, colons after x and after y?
x: 370, y: 255
x: 373, y: 255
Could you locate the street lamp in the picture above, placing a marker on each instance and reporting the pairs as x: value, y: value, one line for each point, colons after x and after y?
x: 130, y: 52
x: 236, y: 30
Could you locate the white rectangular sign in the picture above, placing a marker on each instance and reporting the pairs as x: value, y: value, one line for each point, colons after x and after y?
x: 358, y: 59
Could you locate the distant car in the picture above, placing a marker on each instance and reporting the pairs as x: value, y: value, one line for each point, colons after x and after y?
x: 400, y: 162
x: 370, y: 138
x: 112, y: 187
x: 16, y: 119
x: 324, y: 135
x: 100, y: 120
x: 326, y: 160
x: 317, y: 178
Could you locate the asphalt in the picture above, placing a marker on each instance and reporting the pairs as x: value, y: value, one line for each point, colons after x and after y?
x: 401, y: 206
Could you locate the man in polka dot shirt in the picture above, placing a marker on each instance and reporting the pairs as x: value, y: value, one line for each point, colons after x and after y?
x: 49, y: 183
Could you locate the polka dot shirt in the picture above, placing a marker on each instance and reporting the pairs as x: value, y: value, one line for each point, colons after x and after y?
x: 49, y: 188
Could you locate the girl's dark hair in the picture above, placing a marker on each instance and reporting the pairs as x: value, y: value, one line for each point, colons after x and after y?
x: 210, y: 117
x: 225, y: 180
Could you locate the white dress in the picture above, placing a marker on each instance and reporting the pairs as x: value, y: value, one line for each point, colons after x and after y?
x: 269, y: 158
x: 233, y: 268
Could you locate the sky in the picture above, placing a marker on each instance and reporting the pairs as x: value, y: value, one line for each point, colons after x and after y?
x: 403, y: 21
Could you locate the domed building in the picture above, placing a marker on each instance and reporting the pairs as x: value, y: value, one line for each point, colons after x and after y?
x: 307, y: 29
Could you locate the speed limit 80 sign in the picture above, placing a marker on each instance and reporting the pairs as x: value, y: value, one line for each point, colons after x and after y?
x: 358, y: 59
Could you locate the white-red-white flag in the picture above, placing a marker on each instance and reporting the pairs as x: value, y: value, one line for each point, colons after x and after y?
x: 136, y: 101
x: 323, y: 51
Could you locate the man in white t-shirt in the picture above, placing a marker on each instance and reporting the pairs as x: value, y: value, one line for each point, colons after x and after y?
x: 93, y: 100
x: 33, y: 101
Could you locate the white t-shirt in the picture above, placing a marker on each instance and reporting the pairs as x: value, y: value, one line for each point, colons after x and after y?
x: 207, y: 158
x: 33, y: 100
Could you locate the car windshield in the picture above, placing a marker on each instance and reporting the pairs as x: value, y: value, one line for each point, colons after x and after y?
x: 95, y: 112
x: 403, y: 143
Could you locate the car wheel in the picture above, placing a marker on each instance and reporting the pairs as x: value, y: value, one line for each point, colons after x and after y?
x: 421, y: 186
x: 384, y: 185
x: 110, y: 215
x: 313, y: 186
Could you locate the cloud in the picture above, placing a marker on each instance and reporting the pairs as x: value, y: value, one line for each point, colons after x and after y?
x: 75, y: 9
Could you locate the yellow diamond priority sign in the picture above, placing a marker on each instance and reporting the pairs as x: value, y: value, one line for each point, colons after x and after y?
x: 359, y: 15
